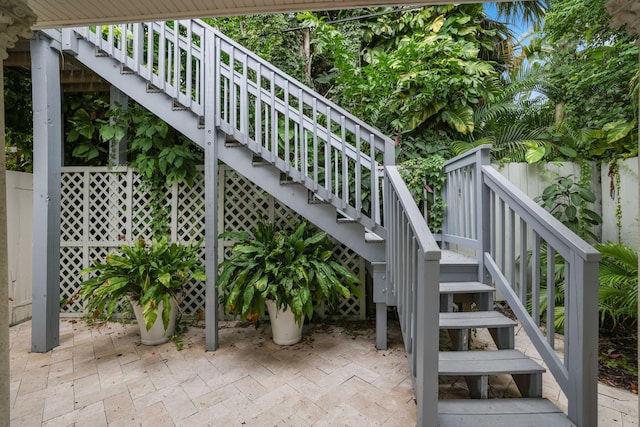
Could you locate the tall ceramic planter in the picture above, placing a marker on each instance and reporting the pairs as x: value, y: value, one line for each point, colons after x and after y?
x: 157, y: 333
x: 284, y: 328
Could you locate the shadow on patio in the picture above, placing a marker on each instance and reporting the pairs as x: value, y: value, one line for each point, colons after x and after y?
x: 101, y: 375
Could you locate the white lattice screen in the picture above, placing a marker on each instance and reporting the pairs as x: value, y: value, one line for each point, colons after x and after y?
x: 103, y: 208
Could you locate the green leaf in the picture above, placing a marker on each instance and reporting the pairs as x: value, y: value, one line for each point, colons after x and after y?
x: 107, y: 133
x: 534, y: 155
x: 568, y: 151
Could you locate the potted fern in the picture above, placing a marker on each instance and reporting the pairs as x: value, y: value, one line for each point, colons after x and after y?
x: 288, y: 272
x: 150, y: 276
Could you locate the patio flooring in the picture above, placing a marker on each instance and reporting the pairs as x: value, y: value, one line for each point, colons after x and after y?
x: 101, y: 375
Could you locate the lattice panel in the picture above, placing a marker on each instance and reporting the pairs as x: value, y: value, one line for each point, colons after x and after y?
x: 71, y: 212
x: 107, y: 207
x: 140, y: 209
x: 117, y: 212
x: 70, y: 278
x: 243, y: 212
x: 190, y: 211
x: 244, y: 203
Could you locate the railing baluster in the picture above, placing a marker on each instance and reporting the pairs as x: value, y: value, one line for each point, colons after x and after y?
x: 551, y: 295
x: 314, y: 108
x: 358, y: 183
x: 345, y: 175
x: 274, y: 120
x: 502, y: 227
x: 176, y: 59
x: 512, y: 246
x: 523, y: 261
x: 327, y: 155
x: 258, y: 111
x: 232, y: 89
x: 301, y: 130
x: 287, y: 149
x: 244, y: 102
x: 375, y: 193
x: 535, y: 279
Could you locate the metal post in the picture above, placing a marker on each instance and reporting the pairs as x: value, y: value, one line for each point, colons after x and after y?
x: 213, y: 138
x: 47, y: 161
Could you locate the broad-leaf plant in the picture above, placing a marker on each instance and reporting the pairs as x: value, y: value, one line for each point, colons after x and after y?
x: 295, y: 269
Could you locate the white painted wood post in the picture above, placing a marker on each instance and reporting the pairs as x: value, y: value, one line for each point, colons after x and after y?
x: 213, y: 138
x: 47, y: 162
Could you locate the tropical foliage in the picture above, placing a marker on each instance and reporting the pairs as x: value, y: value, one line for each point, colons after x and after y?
x: 295, y: 269
x: 618, y: 283
x: 149, y: 273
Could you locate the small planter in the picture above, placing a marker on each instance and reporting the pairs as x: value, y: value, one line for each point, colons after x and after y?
x: 284, y: 328
x: 157, y: 334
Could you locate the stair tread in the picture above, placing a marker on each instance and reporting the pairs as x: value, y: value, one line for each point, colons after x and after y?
x: 490, y: 413
x: 464, y: 287
x: 475, y: 319
x: 371, y: 237
x: 452, y: 257
x: 491, y: 362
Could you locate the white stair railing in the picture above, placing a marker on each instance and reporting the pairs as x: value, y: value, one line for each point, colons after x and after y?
x: 413, y: 274
x: 313, y: 141
x: 523, y: 250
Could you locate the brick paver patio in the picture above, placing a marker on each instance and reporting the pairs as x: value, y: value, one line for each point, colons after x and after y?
x: 101, y: 375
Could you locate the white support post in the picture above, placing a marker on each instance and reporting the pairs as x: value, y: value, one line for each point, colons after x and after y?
x: 47, y: 162
x: 5, y: 401
x: 213, y: 138
x: 118, y: 150
x: 582, y: 342
x: 483, y: 218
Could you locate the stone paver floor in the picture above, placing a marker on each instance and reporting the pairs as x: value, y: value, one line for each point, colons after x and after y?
x: 101, y: 375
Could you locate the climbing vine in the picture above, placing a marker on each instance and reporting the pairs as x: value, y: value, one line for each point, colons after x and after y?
x: 425, y: 179
x: 161, y: 155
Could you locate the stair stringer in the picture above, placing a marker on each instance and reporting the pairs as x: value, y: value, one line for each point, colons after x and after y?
x: 135, y: 87
x: 295, y: 196
x: 266, y: 177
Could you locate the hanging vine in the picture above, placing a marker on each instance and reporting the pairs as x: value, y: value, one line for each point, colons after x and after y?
x: 425, y: 179
x: 615, y: 192
x: 161, y: 155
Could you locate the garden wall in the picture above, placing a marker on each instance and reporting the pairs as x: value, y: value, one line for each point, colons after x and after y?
x: 19, y: 228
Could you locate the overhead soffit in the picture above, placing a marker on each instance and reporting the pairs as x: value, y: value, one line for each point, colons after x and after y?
x: 62, y: 13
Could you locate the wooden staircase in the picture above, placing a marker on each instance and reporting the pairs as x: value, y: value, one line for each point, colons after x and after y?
x: 467, y: 305
x: 335, y: 170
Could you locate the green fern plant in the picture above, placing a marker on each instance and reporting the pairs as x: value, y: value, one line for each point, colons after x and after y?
x: 618, y: 283
x: 295, y: 269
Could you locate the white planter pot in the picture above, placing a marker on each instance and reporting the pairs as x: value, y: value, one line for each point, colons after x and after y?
x: 157, y: 333
x: 284, y: 328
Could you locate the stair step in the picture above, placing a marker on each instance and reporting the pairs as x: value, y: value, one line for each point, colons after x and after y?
x: 477, y: 366
x: 371, y: 237
x: 464, y: 293
x: 259, y: 161
x: 176, y: 106
x: 456, y: 267
x: 488, y: 362
x: 126, y: 70
x: 314, y: 199
x: 153, y: 89
x: 459, y: 326
x: 475, y: 319
x: 343, y: 218
x: 501, y: 412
